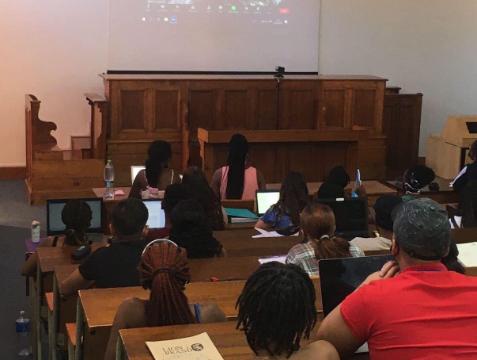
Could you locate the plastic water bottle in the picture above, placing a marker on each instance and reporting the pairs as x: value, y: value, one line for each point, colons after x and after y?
x: 109, y: 180
x: 35, y: 231
x: 23, y: 335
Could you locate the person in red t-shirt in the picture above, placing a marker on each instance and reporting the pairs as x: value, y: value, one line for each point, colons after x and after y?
x: 422, y: 312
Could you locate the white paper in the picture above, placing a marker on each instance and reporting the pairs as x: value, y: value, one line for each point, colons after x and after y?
x: 198, y: 347
x: 458, y: 221
x: 468, y: 254
x: 462, y: 172
x: 268, y: 234
x: 280, y: 259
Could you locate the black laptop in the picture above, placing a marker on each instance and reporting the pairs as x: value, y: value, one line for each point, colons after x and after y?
x: 351, y: 217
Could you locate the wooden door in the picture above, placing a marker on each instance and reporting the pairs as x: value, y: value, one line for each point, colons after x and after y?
x: 333, y: 114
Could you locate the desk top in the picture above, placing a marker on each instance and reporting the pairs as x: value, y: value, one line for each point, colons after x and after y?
x: 100, y: 305
x: 223, y: 268
x: 373, y: 188
x: 99, y: 193
x: 63, y: 271
x: 240, y: 243
x: 230, y: 342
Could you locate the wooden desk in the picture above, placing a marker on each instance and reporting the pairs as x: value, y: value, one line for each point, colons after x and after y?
x: 99, y: 307
x: 374, y: 189
x: 230, y: 342
x: 224, y: 268
x: 446, y: 195
x: 240, y: 243
x: 99, y: 193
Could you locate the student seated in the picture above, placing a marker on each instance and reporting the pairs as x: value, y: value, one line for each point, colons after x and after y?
x: 173, y: 195
x: 238, y: 180
x: 163, y: 270
x: 195, y: 179
x: 116, y: 264
x: 76, y: 215
x: 334, y: 186
x: 317, y: 221
x: 285, y: 213
x: 424, y: 312
x: 157, y: 175
x: 415, y: 179
x: 191, y: 231
x: 276, y: 310
x: 383, y: 209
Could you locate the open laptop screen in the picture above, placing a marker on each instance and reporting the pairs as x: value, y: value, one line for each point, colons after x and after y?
x: 55, y: 225
x: 340, y: 277
x: 157, y: 217
x: 265, y: 199
x: 134, y: 171
x: 351, y: 216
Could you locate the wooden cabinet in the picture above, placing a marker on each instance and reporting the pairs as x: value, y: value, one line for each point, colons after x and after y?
x: 401, y: 121
x: 172, y: 108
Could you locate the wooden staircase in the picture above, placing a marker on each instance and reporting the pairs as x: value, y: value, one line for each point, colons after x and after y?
x: 53, y: 173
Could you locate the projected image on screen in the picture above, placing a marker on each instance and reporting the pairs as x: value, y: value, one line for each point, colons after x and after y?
x: 214, y: 35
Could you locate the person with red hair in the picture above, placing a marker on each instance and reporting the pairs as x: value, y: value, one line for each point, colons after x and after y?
x: 163, y: 269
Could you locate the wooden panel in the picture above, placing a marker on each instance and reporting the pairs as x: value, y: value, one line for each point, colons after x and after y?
x: 298, y: 110
x: 132, y: 110
x: 167, y: 110
x: 364, y: 108
x: 266, y: 110
x: 236, y: 110
x: 12, y: 173
x: 372, y: 157
x: 333, y: 108
x: 202, y: 110
x: 401, y: 120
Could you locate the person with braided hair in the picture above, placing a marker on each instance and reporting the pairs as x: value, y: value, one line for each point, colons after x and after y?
x: 276, y: 310
x: 318, y: 224
x: 76, y: 215
x: 237, y: 180
x: 163, y: 269
x: 157, y: 175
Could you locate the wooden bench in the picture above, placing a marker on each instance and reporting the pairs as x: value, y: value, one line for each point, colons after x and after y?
x: 71, y: 339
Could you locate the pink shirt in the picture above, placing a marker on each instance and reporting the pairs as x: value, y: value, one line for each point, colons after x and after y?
x: 250, y: 185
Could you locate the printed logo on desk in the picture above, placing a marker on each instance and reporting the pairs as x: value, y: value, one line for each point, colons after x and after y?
x: 199, y: 347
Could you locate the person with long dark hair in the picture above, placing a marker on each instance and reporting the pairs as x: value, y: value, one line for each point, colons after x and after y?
x: 318, y: 224
x: 157, y: 175
x: 76, y: 216
x: 286, y: 212
x: 276, y: 311
x: 191, y: 231
x: 238, y: 179
x: 164, y: 271
x: 195, y: 179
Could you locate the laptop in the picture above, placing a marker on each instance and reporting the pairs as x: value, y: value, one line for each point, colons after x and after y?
x: 340, y: 277
x: 157, y: 217
x: 351, y: 217
x: 265, y: 199
x: 134, y: 171
x: 55, y: 225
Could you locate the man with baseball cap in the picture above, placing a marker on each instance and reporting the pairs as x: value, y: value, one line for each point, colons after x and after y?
x: 413, y: 308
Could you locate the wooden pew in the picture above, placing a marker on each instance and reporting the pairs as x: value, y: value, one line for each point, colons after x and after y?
x: 97, y: 308
x: 225, y: 268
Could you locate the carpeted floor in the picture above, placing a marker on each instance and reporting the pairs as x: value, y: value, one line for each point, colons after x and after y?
x: 15, y: 220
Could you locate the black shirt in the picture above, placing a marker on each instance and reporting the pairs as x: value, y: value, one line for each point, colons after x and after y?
x: 115, y: 265
x: 470, y: 175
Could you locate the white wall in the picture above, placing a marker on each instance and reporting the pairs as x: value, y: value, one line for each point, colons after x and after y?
x: 427, y: 46
x: 53, y: 49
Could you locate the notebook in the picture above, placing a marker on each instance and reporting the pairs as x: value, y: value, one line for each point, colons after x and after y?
x: 157, y: 217
x: 55, y: 225
x: 265, y: 199
x: 351, y: 217
x: 198, y: 347
x: 468, y: 254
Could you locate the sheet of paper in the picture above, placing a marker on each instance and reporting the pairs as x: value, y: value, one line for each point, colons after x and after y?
x: 265, y: 234
x: 280, y: 259
x: 199, y: 347
x: 468, y: 254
